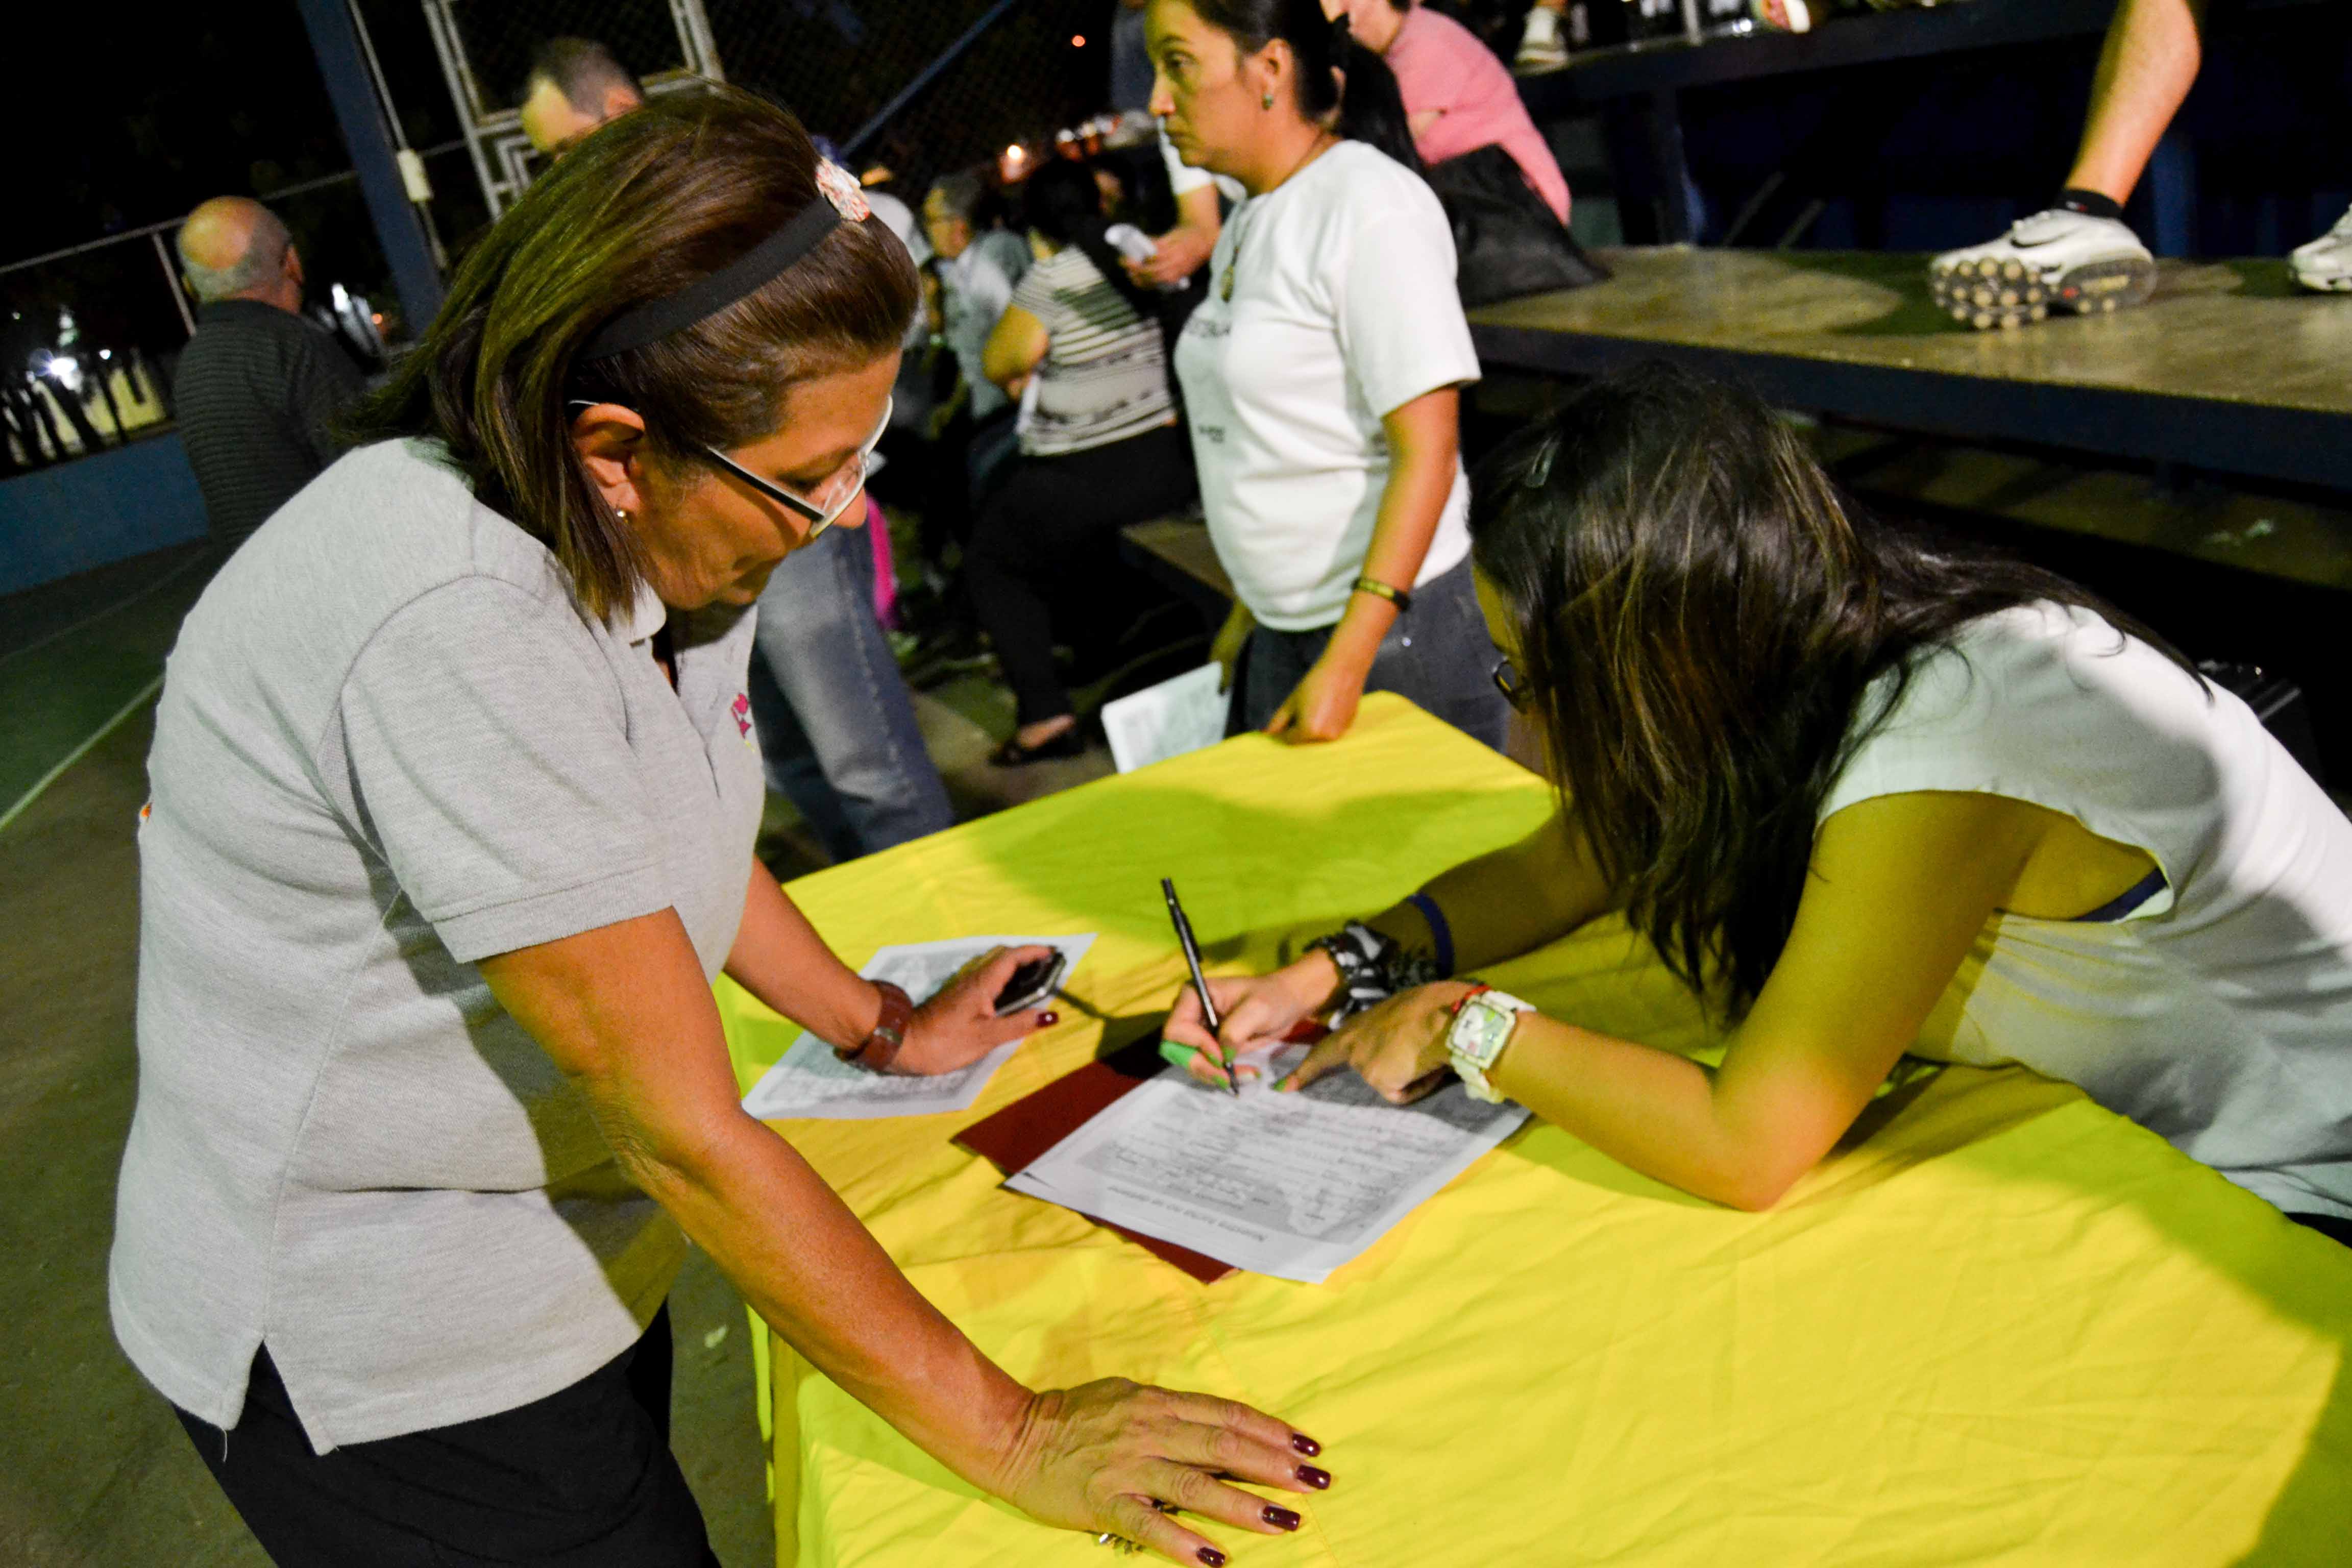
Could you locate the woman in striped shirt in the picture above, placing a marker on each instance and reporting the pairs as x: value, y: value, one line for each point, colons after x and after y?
x: 1101, y: 448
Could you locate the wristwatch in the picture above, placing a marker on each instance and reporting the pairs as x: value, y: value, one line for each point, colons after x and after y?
x: 879, y: 1048
x: 1483, y: 1022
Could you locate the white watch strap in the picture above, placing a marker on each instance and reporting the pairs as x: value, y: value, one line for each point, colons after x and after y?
x: 1474, y: 1044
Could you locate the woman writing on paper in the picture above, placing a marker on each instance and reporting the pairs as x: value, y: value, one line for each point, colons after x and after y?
x: 1867, y: 796
x: 455, y: 789
x: 1321, y: 375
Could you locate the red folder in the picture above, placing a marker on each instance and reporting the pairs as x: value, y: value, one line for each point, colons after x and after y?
x: 1026, y: 1129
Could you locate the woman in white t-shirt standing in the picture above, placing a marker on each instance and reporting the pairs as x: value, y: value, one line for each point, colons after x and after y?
x: 1321, y: 375
x: 1871, y: 796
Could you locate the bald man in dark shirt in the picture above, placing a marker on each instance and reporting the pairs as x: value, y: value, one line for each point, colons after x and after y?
x: 259, y: 388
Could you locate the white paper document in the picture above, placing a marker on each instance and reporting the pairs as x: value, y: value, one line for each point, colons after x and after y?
x: 810, y: 1080
x: 1167, y: 719
x: 1287, y: 1184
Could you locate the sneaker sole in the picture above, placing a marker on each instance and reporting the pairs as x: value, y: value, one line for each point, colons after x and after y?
x: 2340, y: 284
x: 2000, y: 293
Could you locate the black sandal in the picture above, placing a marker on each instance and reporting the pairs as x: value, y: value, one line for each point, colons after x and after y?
x: 1070, y: 743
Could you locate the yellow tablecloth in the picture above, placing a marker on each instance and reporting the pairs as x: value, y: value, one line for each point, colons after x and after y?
x: 1999, y: 1325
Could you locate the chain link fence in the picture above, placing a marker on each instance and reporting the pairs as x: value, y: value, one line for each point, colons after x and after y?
x: 1045, y: 64
x: 1039, y: 66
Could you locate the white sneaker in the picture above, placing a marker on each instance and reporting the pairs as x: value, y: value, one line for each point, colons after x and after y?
x: 1542, y: 46
x: 2325, y: 263
x: 2054, y: 261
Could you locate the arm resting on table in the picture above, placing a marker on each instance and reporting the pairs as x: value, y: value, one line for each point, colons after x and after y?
x: 1509, y: 901
x: 1424, y: 446
x: 626, y: 1013
x: 1900, y: 887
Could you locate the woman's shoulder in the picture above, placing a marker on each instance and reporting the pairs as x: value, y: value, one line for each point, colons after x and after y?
x: 2039, y: 699
x: 1356, y: 184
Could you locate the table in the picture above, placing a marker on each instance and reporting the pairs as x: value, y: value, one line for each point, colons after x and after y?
x: 1997, y: 1325
x: 2229, y: 367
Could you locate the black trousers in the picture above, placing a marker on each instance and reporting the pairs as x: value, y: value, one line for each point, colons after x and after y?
x: 582, y: 1479
x: 1045, y: 551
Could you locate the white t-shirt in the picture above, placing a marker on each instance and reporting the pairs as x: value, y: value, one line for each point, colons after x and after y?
x: 2218, y: 1013
x: 1343, y: 310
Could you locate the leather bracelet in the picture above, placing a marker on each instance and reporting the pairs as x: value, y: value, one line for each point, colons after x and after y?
x: 1399, y: 598
x: 882, y: 1044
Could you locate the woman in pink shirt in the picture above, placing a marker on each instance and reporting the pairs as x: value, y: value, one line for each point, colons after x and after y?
x: 1457, y: 95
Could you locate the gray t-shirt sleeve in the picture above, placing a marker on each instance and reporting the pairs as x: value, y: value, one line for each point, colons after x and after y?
x: 488, y: 755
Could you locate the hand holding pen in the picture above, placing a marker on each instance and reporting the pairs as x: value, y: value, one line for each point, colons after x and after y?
x: 1172, y: 1051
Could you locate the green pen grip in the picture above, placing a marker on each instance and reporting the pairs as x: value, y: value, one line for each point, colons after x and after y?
x: 1176, y: 1055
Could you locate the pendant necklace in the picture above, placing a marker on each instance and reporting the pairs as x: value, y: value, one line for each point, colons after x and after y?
x: 1324, y: 141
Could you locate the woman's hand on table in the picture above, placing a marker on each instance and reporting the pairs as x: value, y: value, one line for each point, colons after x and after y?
x: 1103, y: 1455
x: 1398, y: 1047
x: 958, y: 1024
x: 1253, y: 1010
x: 1323, y: 704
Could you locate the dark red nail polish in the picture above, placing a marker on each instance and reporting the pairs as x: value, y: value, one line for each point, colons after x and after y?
x: 1305, y: 1445
x: 1281, y: 1518
x: 1048, y: 1020
x: 1211, y: 1556
x: 1319, y: 1479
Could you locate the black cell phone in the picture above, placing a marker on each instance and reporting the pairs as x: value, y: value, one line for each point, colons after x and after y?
x: 1032, y: 983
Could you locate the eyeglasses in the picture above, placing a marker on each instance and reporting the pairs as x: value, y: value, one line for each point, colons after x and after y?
x: 832, y: 498
x: 1512, y: 685
x: 823, y: 507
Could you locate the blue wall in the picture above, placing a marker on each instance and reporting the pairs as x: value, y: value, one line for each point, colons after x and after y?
x: 118, y: 503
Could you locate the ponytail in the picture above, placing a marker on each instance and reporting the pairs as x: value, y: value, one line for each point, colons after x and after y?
x: 1340, y: 80
x: 1371, y: 108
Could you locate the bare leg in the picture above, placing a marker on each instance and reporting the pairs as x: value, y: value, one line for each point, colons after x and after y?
x: 2146, y: 68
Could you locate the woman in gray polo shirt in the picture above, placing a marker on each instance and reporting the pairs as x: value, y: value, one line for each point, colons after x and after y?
x: 453, y: 791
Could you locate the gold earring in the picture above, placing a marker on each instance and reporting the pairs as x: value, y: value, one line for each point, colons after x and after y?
x: 619, y: 514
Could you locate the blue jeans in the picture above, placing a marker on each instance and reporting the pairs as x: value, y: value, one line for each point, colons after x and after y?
x: 837, y: 726
x: 1438, y: 653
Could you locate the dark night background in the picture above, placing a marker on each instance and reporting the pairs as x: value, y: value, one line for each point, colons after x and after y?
x: 199, y: 102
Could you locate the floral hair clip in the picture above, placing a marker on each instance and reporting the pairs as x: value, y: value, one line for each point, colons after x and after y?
x: 841, y: 189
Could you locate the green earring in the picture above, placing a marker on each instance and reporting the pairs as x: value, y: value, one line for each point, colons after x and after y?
x: 1268, y: 101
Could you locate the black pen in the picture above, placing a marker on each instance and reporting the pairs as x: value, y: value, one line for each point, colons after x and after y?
x: 1200, y: 981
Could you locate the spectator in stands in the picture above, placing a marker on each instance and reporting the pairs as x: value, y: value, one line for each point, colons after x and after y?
x: 2079, y: 254
x: 575, y: 85
x: 259, y: 388
x: 979, y: 265
x: 1322, y: 376
x: 1457, y: 96
x: 1101, y: 447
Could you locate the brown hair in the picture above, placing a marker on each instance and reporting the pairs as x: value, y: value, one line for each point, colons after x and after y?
x: 1700, y: 618
x: 661, y: 197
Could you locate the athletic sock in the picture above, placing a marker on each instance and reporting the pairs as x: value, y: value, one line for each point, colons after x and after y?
x: 2090, y: 204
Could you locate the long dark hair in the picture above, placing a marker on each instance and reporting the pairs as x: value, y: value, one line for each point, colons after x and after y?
x: 1700, y: 618
x: 1062, y: 202
x: 660, y: 198
x: 1335, y: 72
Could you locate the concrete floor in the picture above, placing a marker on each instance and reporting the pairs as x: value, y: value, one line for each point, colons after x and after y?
x: 94, y: 1471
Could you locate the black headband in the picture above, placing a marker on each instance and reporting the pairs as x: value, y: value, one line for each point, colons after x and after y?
x: 641, y: 325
